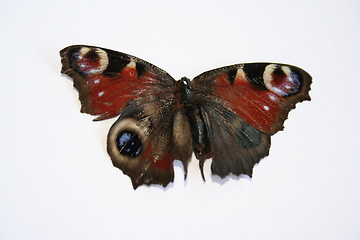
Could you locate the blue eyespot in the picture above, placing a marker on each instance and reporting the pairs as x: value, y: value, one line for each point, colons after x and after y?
x: 129, y: 144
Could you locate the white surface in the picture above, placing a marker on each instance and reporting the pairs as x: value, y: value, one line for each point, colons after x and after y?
x: 57, y: 182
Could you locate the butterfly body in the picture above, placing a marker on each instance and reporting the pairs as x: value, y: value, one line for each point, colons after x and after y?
x: 227, y: 114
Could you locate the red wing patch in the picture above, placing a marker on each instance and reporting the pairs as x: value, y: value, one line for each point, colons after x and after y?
x: 260, y: 112
x: 260, y: 93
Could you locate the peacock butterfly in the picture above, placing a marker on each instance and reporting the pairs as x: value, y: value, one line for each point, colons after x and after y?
x: 227, y: 114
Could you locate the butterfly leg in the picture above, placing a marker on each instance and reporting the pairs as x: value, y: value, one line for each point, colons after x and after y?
x: 201, y: 166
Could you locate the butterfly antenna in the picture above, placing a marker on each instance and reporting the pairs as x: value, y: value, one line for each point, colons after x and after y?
x: 201, y: 165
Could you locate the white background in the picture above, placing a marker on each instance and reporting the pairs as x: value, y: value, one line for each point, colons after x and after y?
x: 57, y: 181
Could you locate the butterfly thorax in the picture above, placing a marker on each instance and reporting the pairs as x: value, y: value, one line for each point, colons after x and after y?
x: 188, y: 105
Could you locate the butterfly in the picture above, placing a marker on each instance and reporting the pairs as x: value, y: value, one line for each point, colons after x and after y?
x: 227, y: 114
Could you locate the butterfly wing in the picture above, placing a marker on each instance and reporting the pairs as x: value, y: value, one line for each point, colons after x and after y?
x: 142, y: 142
x: 107, y: 80
x: 242, y: 106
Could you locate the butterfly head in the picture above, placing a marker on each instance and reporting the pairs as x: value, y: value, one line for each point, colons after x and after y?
x: 185, y: 84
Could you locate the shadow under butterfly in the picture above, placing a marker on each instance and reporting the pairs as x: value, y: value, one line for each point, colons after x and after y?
x: 227, y: 114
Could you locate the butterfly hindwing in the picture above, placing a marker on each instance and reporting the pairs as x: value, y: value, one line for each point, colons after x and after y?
x: 236, y: 146
x: 145, y: 141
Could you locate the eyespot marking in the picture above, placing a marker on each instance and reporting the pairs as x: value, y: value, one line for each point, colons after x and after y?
x: 129, y: 143
x: 89, y: 61
x: 281, y: 80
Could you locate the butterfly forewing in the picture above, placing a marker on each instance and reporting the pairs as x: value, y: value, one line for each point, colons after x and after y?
x: 108, y: 80
x: 260, y: 93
